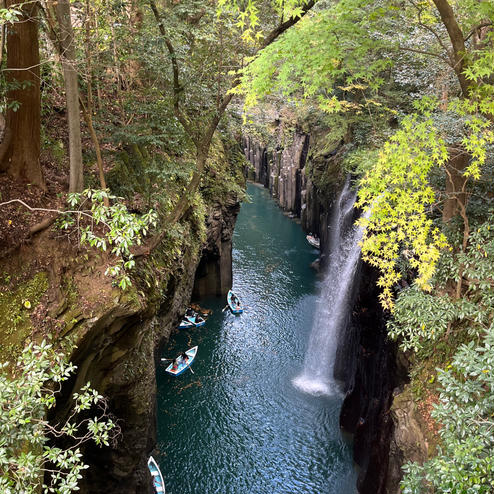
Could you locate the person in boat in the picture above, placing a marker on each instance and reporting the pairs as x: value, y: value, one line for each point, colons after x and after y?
x: 235, y: 300
x: 175, y: 364
x: 190, y: 312
x: 184, y: 357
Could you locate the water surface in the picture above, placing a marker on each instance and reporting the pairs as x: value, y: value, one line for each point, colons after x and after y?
x: 237, y: 425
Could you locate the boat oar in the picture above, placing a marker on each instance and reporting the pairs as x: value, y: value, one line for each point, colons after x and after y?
x: 224, y: 308
x: 191, y: 369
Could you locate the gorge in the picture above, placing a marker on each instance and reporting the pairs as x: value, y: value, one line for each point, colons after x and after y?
x: 155, y: 154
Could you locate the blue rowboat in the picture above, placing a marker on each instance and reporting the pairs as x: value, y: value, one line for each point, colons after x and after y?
x: 234, y: 303
x: 185, y: 324
x: 179, y: 365
x: 158, y: 483
x: 196, y: 320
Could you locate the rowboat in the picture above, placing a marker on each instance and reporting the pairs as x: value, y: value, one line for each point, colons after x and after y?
x: 185, y: 324
x: 179, y: 365
x: 196, y: 320
x: 158, y: 483
x: 192, y: 320
x: 234, y: 303
x: 314, y: 241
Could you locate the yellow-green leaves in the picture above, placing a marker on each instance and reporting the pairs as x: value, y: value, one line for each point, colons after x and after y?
x: 397, y: 191
x: 247, y: 16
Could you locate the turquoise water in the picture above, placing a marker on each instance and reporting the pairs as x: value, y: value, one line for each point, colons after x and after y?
x: 237, y: 425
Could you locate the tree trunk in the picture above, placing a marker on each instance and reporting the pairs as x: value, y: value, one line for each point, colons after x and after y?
x: 455, y: 183
x: 21, y: 157
x: 67, y: 55
x: 457, y: 42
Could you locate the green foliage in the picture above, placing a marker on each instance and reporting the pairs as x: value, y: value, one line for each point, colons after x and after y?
x: 224, y: 177
x: 106, y: 227
x: 248, y: 19
x: 322, y: 56
x: 465, y: 463
x: 420, y: 318
x: 29, y: 462
x: 397, y: 194
x: 17, y: 302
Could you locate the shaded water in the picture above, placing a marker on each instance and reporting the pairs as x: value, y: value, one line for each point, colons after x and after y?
x: 237, y: 425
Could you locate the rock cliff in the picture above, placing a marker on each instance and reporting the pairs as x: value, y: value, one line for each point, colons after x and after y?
x: 118, y: 334
x: 214, y: 274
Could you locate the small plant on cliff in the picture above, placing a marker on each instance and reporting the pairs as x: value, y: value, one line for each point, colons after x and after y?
x: 104, y: 227
x: 30, y: 462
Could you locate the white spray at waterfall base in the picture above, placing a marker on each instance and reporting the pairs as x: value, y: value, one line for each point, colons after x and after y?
x: 333, y: 304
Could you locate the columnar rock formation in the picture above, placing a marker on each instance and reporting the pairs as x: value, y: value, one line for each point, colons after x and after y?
x: 284, y: 172
x: 119, y: 336
x: 214, y: 274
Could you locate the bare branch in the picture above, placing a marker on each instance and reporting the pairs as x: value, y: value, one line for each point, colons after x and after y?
x: 429, y: 28
x: 428, y: 53
x: 281, y: 28
x: 477, y: 27
x: 57, y: 211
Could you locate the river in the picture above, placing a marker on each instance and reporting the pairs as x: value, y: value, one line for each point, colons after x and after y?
x: 237, y: 424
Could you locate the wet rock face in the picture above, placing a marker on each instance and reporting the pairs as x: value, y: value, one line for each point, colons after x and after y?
x: 367, y: 365
x: 385, y: 433
x: 407, y: 441
x: 119, y: 354
x: 283, y: 172
x: 214, y: 273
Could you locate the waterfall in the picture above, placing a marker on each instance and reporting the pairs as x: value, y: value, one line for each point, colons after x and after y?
x: 333, y: 305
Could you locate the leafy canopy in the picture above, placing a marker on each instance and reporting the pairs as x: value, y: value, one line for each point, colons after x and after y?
x: 397, y: 192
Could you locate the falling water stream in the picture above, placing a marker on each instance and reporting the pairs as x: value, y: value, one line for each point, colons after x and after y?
x: 333, y: 305
x: 237, y: 424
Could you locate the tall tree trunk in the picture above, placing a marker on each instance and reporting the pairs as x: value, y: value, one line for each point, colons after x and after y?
x: 87, y: 110
x: 67, y: 54
x: 457, y: 42
x: 21, y: 156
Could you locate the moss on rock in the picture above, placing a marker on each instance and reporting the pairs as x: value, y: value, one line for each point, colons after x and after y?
x: 16, y: 306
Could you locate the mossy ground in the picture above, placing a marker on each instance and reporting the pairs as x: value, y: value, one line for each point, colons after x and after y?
x: 17, y: 303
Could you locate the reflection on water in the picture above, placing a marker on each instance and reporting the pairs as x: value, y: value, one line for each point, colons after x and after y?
x: 237, y: 425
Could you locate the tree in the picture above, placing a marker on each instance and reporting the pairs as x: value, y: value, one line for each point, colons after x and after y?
x: 21, y: 145
x: 465, y: 410
x: 200, y: 121
x: 29, y: 460
x: 339, y: 57
x: 65, y: 43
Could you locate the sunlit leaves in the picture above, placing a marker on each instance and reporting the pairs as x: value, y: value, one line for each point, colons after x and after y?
x: 112, y: 227
x: 248, y: 18
x: 398, y: 193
